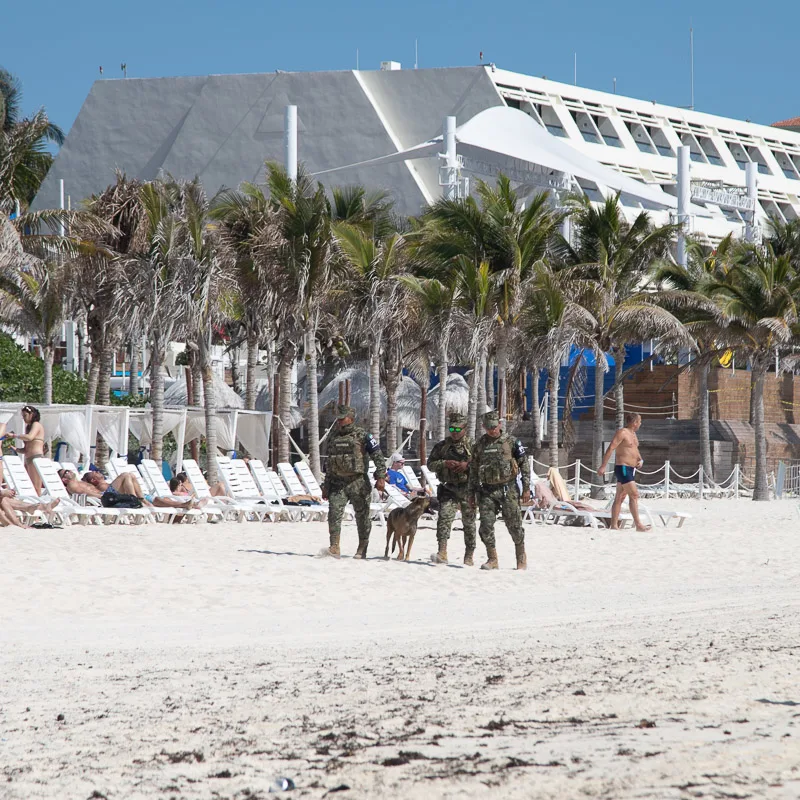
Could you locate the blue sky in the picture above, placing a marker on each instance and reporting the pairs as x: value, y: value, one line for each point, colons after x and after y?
x: 746, y: 60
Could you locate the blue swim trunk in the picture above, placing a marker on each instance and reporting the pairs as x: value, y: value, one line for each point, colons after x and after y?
x: 624, y: 474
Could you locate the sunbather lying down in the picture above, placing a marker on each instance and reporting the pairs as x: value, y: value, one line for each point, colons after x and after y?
x: 93, y: 484
x: 10, y: 504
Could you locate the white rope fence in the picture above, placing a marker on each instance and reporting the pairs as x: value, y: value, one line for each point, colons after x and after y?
x: 671, y: 484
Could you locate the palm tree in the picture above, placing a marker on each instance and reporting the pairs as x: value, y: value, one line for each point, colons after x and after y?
x: 201, y: 282
x: 150, y: 285
x: 498, y: 230
x: 609, y: 265
x: 759, y: 295
x: 552, y: 322
x: 24, y: 159
x: 247, y: 215
x: 301, y: 253
x: 373, y: 294
x: 688, y: 292
x: 34, y: 297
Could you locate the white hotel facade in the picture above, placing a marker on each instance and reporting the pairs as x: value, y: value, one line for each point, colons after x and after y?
x: 383, y: 128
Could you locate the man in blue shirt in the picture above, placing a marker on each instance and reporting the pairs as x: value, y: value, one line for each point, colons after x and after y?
x: 395, y: 472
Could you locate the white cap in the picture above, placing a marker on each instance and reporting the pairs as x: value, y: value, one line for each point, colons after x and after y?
x: 396, y: 457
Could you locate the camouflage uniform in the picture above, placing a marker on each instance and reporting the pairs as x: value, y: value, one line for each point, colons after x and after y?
x: 349, y: 451
x: 453, y: 491
x: 496, y: 462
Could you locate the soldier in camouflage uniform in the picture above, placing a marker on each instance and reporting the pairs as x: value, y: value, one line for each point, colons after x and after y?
x: 450, y: 460
x: 496, y: 461
x: 349, y: 451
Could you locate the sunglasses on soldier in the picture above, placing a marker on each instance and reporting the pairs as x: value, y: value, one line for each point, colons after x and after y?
x: 453, y: 429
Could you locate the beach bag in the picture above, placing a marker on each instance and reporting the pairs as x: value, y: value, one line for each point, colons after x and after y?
x: 114, y: 499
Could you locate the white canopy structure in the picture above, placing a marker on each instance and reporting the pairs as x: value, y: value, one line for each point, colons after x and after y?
x: 76, y: 425
x: 507, y: 139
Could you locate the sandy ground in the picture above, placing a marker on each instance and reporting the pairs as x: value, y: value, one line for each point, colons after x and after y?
x: 203, y: 661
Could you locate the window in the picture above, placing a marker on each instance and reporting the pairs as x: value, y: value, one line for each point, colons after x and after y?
x: 513, y: 102
x: 552, y: 122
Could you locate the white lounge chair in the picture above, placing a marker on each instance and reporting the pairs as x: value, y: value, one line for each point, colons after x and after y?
x: 160, y: 487
x: 431, y: 481
x: 273, y: 491
x: 230, y: 507
x: 411, y: 477
x: 245, y: 490
x: 395, y: 497
x: 18, y: 479
x: 82, y: 514
x: 290, y: 479
x: 664, y: 515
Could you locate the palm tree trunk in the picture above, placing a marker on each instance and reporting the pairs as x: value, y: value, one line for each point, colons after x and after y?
x: 313, y: 401
x: 101, y: 450
x: 79, y: 325
x: 134, y: 369
x: 374, y: 390
x: 537, y: 418
x: 91, y: 383
x: 442, y: 367
x: 619, y: 391
x: 553, y: 412
x: 210, y: 403
x: 252, y: 365
x: 597, y: 426
x: 285, y: 396
x: 472, y: 404
x: 489, y: 381
x: 48, y: 356
x: 392, y: 386
x: 705, y: 424
x: 482, y: 400
x: 157, y: 403
x: 761, y: 488
x: 502, y: 369
x: 194, y: 444
x: 423, y: 410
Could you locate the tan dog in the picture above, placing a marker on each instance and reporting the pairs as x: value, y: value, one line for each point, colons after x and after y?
x: 402, y: 522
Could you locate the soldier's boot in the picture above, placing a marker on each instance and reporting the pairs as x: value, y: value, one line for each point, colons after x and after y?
x: 334, y: 548
x: 522, y: 559
x: 361, y: 552
x: 441, y: 556
x: 491, y: 562
x: 468, y: 557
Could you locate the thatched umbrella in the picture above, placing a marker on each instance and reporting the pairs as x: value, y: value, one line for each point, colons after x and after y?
x: 264, y: 403
x: 408, y: 397
x: 176, y: 395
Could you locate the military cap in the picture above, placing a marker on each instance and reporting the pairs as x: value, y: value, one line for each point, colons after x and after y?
x: 345, y: 411
x: 457, y: 418
x: 491, y: 419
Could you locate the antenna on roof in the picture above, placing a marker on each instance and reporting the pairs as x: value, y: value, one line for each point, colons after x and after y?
x: 691, y: 65
x: 124, y: 67
x: 615, y: 85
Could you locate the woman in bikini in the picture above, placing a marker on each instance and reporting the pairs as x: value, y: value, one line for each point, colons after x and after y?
x: 34, y: 443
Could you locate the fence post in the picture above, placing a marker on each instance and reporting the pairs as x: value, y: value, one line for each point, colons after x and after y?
x: 666, y: 478
x: 700, y: 478
x: 577, y: 478
x: 736, y: 481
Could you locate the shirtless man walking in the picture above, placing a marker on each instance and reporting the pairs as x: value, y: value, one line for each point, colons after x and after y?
x: 628, y: 460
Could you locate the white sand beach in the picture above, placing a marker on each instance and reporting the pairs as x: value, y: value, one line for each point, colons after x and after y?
x: 202, y: 661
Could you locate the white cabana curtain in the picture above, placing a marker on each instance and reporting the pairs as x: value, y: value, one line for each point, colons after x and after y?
x: 196, y: 427
x: 110, y: 425
x: 142, y: 424
x: 252, y: 430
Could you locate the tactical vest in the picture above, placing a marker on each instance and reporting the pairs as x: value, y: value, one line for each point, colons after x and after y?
x: 455, y: 451
x: 345, y: 454
x: 497, y: 463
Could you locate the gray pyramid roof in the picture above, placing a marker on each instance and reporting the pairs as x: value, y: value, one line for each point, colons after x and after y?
x: 223, y: 128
